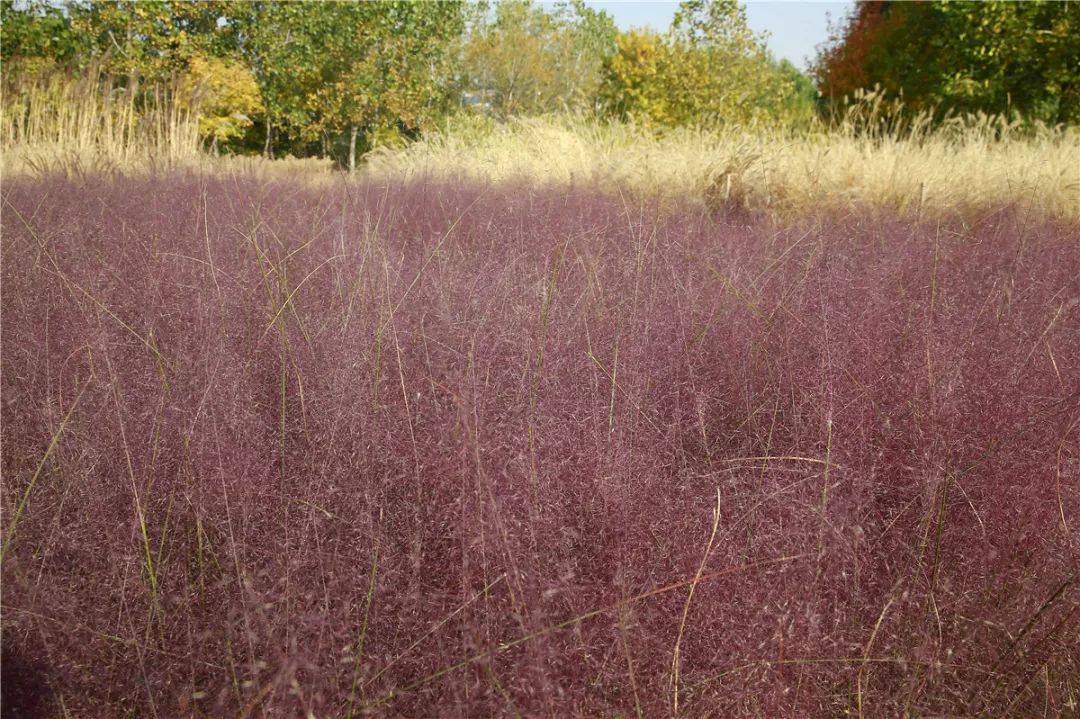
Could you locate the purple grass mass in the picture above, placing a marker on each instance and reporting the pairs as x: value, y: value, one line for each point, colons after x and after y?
x: 451, y: 450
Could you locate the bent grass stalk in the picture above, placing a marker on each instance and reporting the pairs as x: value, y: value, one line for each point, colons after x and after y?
x: 1062, y: 589
x: 368, y: 600
x: 686, y: 608
x: 460, y: 608
x: 53, y: 442
x: 140, y: 514
x: 1057, y: 473
x: 863, y: 668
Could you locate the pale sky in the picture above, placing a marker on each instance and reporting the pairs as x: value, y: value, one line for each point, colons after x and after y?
x: 796, y: 27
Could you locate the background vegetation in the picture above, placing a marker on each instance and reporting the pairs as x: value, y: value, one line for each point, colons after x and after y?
x: 336, y: 79
x: 990, y: 57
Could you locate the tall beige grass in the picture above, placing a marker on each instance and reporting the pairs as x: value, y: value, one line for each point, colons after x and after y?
x: 93, y: 124
x: 53, y: 120
x: 869, y: 158
x: 966, y: 165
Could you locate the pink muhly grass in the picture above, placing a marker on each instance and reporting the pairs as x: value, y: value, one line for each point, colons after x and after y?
x: 422, y: 448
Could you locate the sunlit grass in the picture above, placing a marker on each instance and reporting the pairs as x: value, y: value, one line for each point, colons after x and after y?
x: 868, y: 159
x: 967, y: 167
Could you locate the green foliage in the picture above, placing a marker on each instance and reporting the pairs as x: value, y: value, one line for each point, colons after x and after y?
x: 719, y: 25
x: 381, y: 63
x: 281, y: 58
x: 154, y: 39
x: 635, y: 79
x: 709, y: 69
x: 34, y: 32
x: 990, y: 57
x: 334, y: 68
x: 798, y: 108
x: 337, y: 78
x: 523, y: 59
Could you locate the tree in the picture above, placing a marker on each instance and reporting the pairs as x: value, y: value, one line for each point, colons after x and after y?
x: 841, y: 65
x: 991, y: 57
x: 178, y: 56
x: 709, y: 69
x: 382, y: 66
x: 153, y: 39
x: 36, y: 32
x: 225, y: 95
x: 280, y: 43
x: 587, y: 38
x: 730, y: 79
x: 635, y: 79
x: 798, y: 108
x: 527, y: 60
x: 323, y: 70
x: 355, y: 69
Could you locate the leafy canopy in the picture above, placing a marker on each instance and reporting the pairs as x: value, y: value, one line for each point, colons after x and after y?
x: 991, y: 57
x: 710, y: 68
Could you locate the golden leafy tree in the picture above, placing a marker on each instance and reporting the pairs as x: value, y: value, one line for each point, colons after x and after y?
x: 225, y: 96
x: 709, y: 69
x: 635, y: 85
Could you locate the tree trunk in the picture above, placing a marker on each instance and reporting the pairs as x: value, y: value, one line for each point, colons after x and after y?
x: 352, y: 148
x: 268, y: 148
x: 1068, y: 103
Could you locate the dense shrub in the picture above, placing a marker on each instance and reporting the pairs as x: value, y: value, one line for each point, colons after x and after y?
x: 419, y: 449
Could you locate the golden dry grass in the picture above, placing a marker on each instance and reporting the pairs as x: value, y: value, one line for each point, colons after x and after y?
x: 91, y: 126
x: 51, y: 118
x: 967, y: 166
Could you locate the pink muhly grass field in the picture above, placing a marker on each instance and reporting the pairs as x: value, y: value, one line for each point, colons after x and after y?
x: 428, y: 450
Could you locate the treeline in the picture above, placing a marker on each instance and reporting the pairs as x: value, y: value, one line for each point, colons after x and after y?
x: 992, y: 57
x: 338, y: 78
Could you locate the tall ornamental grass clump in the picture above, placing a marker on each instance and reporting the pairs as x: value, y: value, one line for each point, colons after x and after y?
x: 404, y: 449
x: 970, y: 165
x: 52, y: 120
